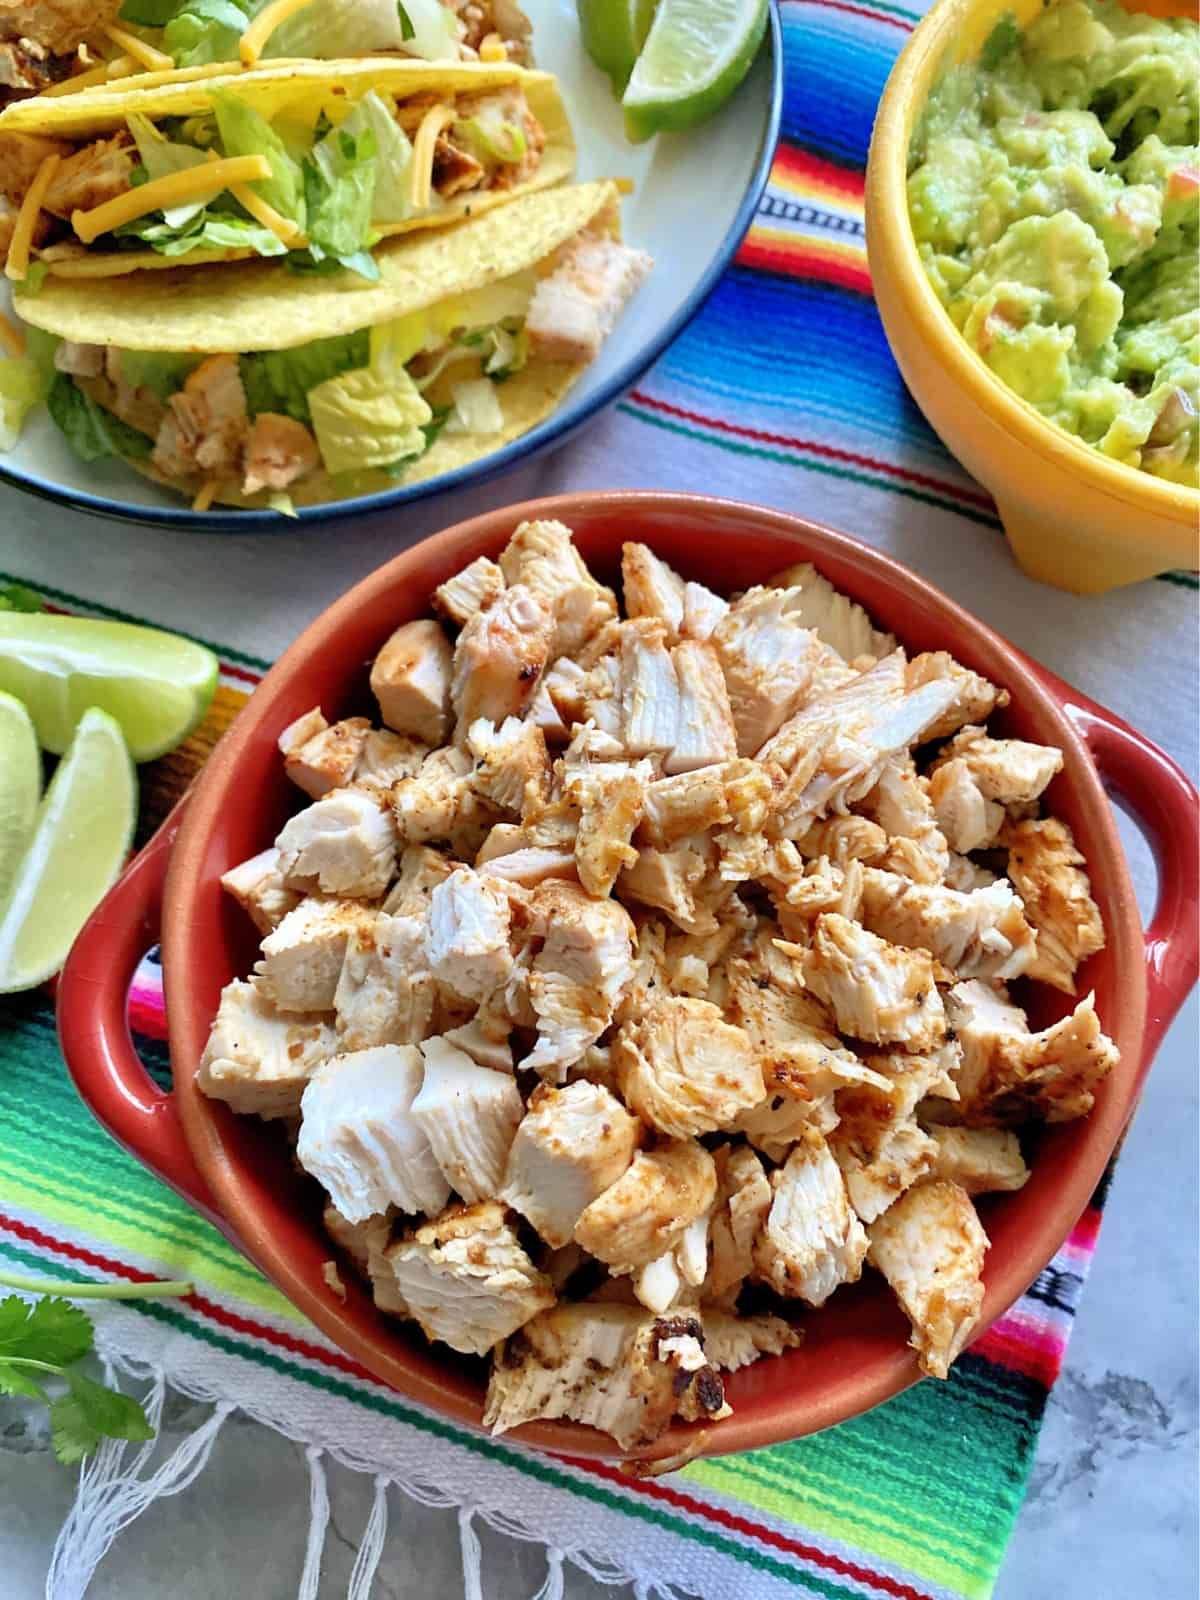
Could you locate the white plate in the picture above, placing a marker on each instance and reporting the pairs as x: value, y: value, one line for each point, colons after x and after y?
x: 694, y: 199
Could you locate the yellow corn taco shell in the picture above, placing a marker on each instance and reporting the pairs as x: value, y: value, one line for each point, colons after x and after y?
x: 304, y: 89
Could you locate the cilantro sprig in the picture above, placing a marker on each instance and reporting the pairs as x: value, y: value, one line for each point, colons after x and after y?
x: 42, y: 1343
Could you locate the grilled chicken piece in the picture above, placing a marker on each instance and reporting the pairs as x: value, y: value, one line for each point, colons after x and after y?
x: 647, y: 1210
x: 385, y: 993
x: 1010, y: 771
x: 576, y: 307
x: 499, y: 657
x: 876, y: 991
x: 541, y: 557
x: 612, y: 1367
x: 1008, y: 1072
x: 471, y: 590
x: 98, y: 172
x: 467, y: 1280
x: 21, y: 154
x: 298, y: 733
x: 258, y: 887
x: 844, y: 839
x: 649, y: 690
x: 611, y: 803
x: 901, y: 804
x: 982, y: 934
x: 279, y: 452
x: 811, y: 1241
x: 410, y: 678
x: 675, y: 881
x: 328, y: 759
x: 705, y: 731
x: 365, y: 1243
x: 469, y: 1114
x: 258, y: 1060
x: 1050, y: 875
x: 877, y: 1142
x: 691, y: 802
x: 930, y: 1248
x: 301, y: 959
x: 60, y: 26
x: 579, y: 975
x: 360, y: 1139
x: 732, y: 1342
x: 572, y: 1144
x: 651, y: 588
x: 776, y: 1123
x: 686, y: 1071
x: 800, y: 1055
x: 514, y: 764
x: 419, y: 871
x: 77, y: 360
x: 526, y: 865
x: 509, y: 106
x: 441, y: 802
x: 767, y: 655
x: 836, y: 620
x: 965, y: 816
x: 466, y: 943
x: 966, y: 875
x: 486, y: 1040
x: 979, y: 1160
x: 343, y: 844
x: 976, y: 698
x: 207, y: 423
x: 743, y: 1201
x: 455, y: 170
x: 702, y: 611
x: 385, y: 760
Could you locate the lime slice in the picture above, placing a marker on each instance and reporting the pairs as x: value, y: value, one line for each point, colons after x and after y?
x: 155, y: 684
x: 697, y: 53
x: 614, y: 32
x: 20, y: 786
x: 79, y: 845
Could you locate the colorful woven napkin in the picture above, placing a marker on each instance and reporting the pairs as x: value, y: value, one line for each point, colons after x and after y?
x: 782, y: 391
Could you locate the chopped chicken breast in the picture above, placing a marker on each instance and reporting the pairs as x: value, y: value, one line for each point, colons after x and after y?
x: 612, y: 1367
x: 879, y: 1160
x: 704, y: 733
x: 767, y: 656
x: 514, y: 764
x: 486, y: 1040
x: 572, y: 1144
x: 649, y: 689
x: 576, y: 307
x: 259, y: 888
x: 360, y: 1139
x: 647, y: 1210
x: 733, y: 1342
x: 387, y: 758
x: 610, y: 804
x: 1010, y: 771
x: 385, y: 992
x: 964, y: 874
x: 876, y: 991
x: 343, y: 844
x: 982, y: 934
x: 673, y: 881
x: 471, y: 590
x: 1050, y: 875
x: 836, y: 620
x: 979, y: 1160
x: 843, y: 839
x: 743, y: 1200
x: 302, y: 958
x: 930, y: 1248
x: 578, y: 976
x: 467, y: 1280
x: 466, y: 943
x: 651, y: 588
x: 410, y: 679
x: 441, y: 802
x: 419, y: 871
x: 686, y: 1071
x: 469, y: 1114
x: 976, y: 698
x: 774, y: 1124
x: 499, y: 657
x: 365, y: 1243
x: 811, y: 1241
x: 541, y: 556
x: 902, y: 805
x: 965, y: 816
x: 702, y: 611
x: 278, y: 452
x: 258, y: 1059
x: 328, y: 759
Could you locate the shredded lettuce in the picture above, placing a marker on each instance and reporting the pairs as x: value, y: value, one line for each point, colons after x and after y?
x: 282, y: 502
x: 22, y: 387
x: 328, y: 30
x: 491, y: 138
x: 375, y: 416
x: 476, y: 408
x: 161, y: 157
x: 210, y: 231
x: 93, y: 432
x: 280, y: 380
x: 203, y: 30
x: 245, y: 132
x: 163, y: 375
x: 339, y: 188
x: 434, y: 35
x: 392, y: 197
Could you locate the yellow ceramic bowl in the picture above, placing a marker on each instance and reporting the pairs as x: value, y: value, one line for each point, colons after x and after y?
x: 1073, y: 517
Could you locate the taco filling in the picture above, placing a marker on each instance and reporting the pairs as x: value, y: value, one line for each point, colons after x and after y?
x: 232, y: 180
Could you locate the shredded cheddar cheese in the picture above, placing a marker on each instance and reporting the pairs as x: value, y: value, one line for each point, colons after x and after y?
x: 285, y: 231
x: 118, y: 67
x: 17, y: 264
x: 205, y: 495
x: 264, y: 25
x: 432, y: 123
x: 11, y: 336
x: 623, y: 185
x: 492, y: 48
x: 153, y: 60
x: 172, y: 190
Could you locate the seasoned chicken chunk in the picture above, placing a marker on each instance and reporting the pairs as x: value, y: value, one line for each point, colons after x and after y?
x: 466, y: 943
x: 279, y: 451
x: 385, y: 992
x: 1050, y: 875
x: 471, y: 590
x: 690, y: 802
x: 612, y: 1367
x: 365, y: 1243
x: 902, y: 805
x: 301, y: 960
x: 982, y: 934
x: 976, y: 698
x: 674, y: 881
x: 811, y: 1241
x: 301, y: 730
x: 704, y: 733
x: 419, y: 870
x: 684, y: 1070
x: 572, y: 1144
x: 259, y: 888
x: 930, y: 1248
x: 257, y: 1059
x: 836, y: 620
x: 328, y: 759
x: 441, y: 802
x: 97, y: 172
x: 611, y: 803
x: 386, y: 759
x: 876, y: 1143
x: 776, y: 1123
x: 647, y: 1210
x: 541, y: 556
x: 576, y: 307
x: 514, y: 764
x: 1007, y: 1071
x: 767, y: 655
x: 876, y: 991
x: 649, y: 689
x: 360, y: 1139
x: 966, y: 817
x: 466, y: 1279
x: 410, y: 678
x: 844, y: 839
x: 343, y: 844
x: 578, y: 976
x: 58, y: 25
x: 743, y: 1200
x: 469, y: 1114
x: 651, y: 588
x: 499, y: 657
x: 979, y: 1160
x: 732, y: 1342
x: 1010, y: 771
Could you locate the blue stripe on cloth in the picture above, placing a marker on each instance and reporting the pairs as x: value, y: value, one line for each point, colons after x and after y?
x: 836, y: 64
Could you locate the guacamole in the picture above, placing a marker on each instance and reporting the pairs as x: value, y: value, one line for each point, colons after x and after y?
x: 1054, y: 190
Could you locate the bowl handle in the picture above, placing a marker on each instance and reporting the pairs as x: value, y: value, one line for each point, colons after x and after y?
x: 94, y: 1032
x: 1166, y: 807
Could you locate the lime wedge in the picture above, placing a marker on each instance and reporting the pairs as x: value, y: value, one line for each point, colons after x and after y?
x: 79, y: 845
x: 614, y: 32
x: 20, y: 786
x: 155, y: 684
x: 697, y: 53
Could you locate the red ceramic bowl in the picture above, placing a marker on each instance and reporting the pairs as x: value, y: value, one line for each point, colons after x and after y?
x: 237, y: 1170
